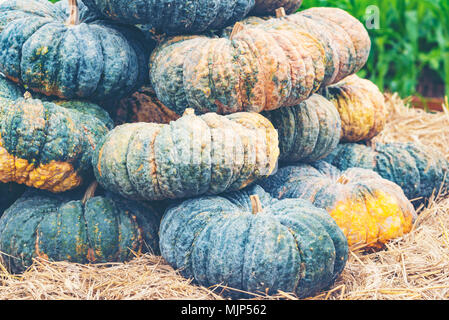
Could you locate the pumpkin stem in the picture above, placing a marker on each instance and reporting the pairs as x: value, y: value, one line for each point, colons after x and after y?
x: 27, y: 95
x: 280, y: 12
x: 189, y: 112
x: 237, y: 28
x: 90, y: 192
x: 343, y: 179
x: 74, y: 13
x: 256, y: 204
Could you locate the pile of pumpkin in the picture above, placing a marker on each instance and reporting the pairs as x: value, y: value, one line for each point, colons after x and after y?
x: 236, y: 147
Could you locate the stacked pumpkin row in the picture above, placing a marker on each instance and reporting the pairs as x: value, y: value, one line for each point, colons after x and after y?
x: 216, y: 115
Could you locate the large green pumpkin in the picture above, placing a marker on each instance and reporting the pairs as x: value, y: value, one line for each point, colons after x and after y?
x: 54, y: 53
x: 307, y: 132
x: 47, y: 145
x: 174, y: 16
x: 419, y: 170
x: 191, y: 156
x: 249, y: 241
x: 369, y: 209
x: 256, y: 68
x: 105, y: 228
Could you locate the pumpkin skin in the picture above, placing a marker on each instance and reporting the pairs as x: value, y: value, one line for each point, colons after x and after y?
x: 289, y: 245
x: 361, y: 106
x: 268, y: 7
x: 142, y: 106
x: 261, y: 67
x: 345, y: 40
x: 95, y: 60
x: 369, y: 209
x: 47, y: 145
x: 307, y: 132
x: 106, y: 228
x: 419, y: 170
x: 191, y: 156
x: 174, y: 16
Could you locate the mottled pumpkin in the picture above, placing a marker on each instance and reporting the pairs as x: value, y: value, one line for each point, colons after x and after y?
x: 268, y: 7
x: 174, y: 16
x: 361, y: 106
x: 191, y: 156
x: 256, y: 68
x: 249, y: 241
x: 49, y: 51
x: 345, y: 40
x: 47, y: 145
x: 369, y: 209
x: 142, y: 106
x: 307, y: 132
x: 100, y: 229
x: 419, y: 170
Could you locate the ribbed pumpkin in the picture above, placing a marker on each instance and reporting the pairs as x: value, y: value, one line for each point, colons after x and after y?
x: 369, y: 209
x: 65, y: 227
x: 57, y: 54
x: 307, y: 132
x: 46, y: 145
x: 268, y: 7
x: 249, y: 241
x: 191, y: 156
x: 419, y: 170
x: 345, y: 41
x: 361, y: 106
x: 142, y: 106
x: 174, y: 16
x: 258, y: 68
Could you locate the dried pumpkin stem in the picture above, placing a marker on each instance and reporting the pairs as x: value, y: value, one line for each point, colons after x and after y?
x: 189, y: 112
x: 74, y: 13
x: 256, y: 205
x: 280, y: 12
x: 237, y: 28
x: 90, y: 192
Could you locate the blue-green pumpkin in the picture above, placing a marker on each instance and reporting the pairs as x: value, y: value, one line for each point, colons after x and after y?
x: 68, y: 227
x: 174, y: 16
x: 47, y: 145
x: 251, y: 242
x: 66, y: 51
x: 369, y: 209
x: 307, y: 132
x: 192, y: 156
x: 419, y: 170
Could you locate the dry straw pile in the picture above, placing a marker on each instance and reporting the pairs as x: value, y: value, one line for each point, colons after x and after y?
x: 413, y: 267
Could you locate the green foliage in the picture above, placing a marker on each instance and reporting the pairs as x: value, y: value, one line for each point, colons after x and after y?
x: 413, y: 35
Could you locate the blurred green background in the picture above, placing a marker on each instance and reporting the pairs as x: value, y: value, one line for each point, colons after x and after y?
x: 410, y: 51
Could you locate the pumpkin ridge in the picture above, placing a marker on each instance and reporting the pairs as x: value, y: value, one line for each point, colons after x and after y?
x: 90, y: 251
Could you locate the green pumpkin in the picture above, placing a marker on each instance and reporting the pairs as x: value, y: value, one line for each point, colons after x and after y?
x: 49, y: 51
x: 249, y: 241
x: 9, y: 192
x: 307, y: 132
x: 256, y: 67
x: 369, y: 209
x: 193, y: 155
x: 105, y: 228
x: 419, y: 170
x: 47, y: 145
x: 174, y: 16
